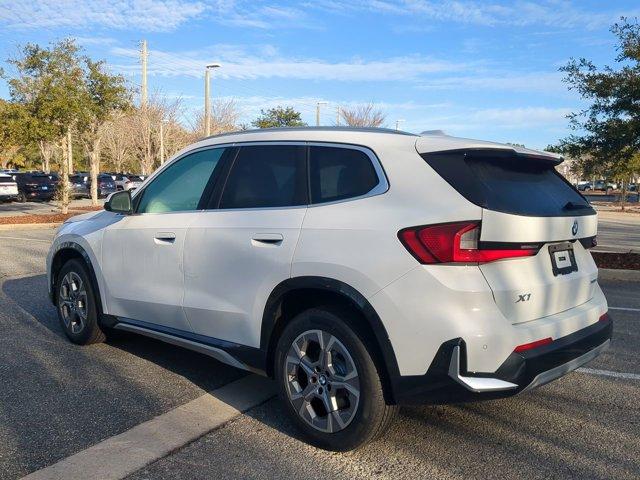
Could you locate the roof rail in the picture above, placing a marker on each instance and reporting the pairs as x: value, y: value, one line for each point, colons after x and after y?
x: 307, y: 129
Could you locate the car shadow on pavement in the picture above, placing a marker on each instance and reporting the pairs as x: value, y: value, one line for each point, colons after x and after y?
x: 31, y: 295
x: 58, y: 398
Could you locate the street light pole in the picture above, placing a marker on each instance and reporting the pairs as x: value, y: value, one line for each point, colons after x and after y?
x: 318, y: 112
x: 207, y: 98
x: 398, y: 123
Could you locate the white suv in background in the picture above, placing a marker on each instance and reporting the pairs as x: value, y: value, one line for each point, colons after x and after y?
x: 360, y: 268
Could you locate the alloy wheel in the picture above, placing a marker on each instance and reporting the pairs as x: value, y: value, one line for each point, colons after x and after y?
x: 72, y: 302
x: 322, y: 381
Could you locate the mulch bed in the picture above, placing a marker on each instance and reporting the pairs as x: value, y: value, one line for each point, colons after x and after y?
x: 48, y: 218
x: 623, y: 261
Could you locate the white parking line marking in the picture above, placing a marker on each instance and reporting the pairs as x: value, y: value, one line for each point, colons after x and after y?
x: 625, y: 309
x: 607, y: 373
x: 121, y: 455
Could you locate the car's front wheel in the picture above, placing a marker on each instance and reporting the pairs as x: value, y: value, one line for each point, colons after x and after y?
x: 76, y: 301
x: 329, y: 382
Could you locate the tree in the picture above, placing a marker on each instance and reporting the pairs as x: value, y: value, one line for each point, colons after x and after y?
x: 279, y: 117
x: 106, y: 94
x: 13, y: 121
x: 363, y: 116
x: 224, y: 118
x: 147, y: 136
x: 49, y: 85
x: 117, y: 141
x: 607, y: 138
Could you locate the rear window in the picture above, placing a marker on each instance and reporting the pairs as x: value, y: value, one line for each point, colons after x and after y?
x: 134, y: 178
x: 6, y: 180
x: 509, y: 183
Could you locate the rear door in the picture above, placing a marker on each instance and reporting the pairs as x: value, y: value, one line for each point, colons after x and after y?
x: 238, y: 250
x: 527, y: 205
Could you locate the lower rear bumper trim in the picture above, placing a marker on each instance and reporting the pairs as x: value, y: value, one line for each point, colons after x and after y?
x: 557, y: 372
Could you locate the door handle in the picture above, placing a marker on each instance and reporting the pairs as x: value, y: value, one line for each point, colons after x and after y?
x: 267, y: 239
x: 164, y: 238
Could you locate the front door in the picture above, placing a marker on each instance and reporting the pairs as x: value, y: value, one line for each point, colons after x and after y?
x: 142, y: 255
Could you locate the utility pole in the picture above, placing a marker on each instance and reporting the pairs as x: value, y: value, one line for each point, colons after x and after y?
x: 207, y: 99
x: 338, y: 116
x: 318, y: 112
x: 143, y: 57
x: 398, y: 123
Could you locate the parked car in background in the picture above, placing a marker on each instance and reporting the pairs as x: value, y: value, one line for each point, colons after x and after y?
x: 604, y: 186
x: 80, y: 185
x: 128, y: 181
x: 106, y: 185
x: 36, y: 185
x: 584, y: 186
x: 8, y: 187
x: 633, y: 187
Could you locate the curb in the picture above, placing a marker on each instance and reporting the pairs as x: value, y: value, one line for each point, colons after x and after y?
x: 614, y: 274
x: 28, y: 226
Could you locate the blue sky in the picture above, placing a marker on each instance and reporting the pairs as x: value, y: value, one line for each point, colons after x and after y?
x: 481, y: 69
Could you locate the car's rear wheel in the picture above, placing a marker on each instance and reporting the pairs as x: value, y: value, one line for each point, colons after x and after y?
x: 329, y: 382
x: 77, y: 309
x: 22, y: 198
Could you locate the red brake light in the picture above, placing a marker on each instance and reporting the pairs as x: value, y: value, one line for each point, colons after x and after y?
x: 453, y: 242
x: 532, y: 345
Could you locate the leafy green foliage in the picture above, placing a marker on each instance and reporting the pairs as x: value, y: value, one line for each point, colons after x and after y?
x: 279, y: 117
x: 607, y: 138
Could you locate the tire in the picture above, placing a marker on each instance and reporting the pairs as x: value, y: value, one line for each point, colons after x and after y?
x: 76, y: 301
x: 22, y: 198
x: 357, y: 419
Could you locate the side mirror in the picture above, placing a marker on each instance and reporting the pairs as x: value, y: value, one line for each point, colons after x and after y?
x: 119, y: 202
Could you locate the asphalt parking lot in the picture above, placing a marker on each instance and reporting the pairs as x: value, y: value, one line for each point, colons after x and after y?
x: 58, y: 399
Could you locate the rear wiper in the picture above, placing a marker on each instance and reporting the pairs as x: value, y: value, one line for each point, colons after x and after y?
x: 575, y: 206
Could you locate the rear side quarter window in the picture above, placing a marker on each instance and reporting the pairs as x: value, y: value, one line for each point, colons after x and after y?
x: 337, y: 173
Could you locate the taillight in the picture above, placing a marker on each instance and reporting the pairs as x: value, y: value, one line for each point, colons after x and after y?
x: 456, y: 242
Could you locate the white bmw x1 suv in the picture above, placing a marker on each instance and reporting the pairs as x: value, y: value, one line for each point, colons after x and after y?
x: 360, y: 268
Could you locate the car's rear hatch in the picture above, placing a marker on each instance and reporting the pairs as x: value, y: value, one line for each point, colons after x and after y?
x: 526, y: 205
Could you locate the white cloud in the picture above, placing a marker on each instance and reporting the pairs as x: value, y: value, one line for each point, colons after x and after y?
x: 145, y: 15
x: 526, y: 82
x: 238, y: 62
x: 481, y: 120
x: 553, y: 13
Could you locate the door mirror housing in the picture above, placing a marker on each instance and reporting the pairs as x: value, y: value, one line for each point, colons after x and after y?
x: 119, y: 202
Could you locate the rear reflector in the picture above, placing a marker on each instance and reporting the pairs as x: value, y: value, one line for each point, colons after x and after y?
x: 456, y: 242
x: 532, y: 345
x: 604, y: 317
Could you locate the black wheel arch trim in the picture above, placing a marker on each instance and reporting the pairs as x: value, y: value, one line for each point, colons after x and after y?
x: 326, y: 284
x: 87, y: 260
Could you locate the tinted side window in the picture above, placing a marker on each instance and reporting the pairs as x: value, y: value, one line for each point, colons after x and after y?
x: 180, y: 186
x: 267, y: 176
x: 339, y: 173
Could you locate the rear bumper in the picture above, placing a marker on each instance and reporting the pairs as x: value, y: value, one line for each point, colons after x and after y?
x: 447, y: 380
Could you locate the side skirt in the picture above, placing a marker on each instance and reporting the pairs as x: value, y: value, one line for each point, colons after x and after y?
x: 233, y: 354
